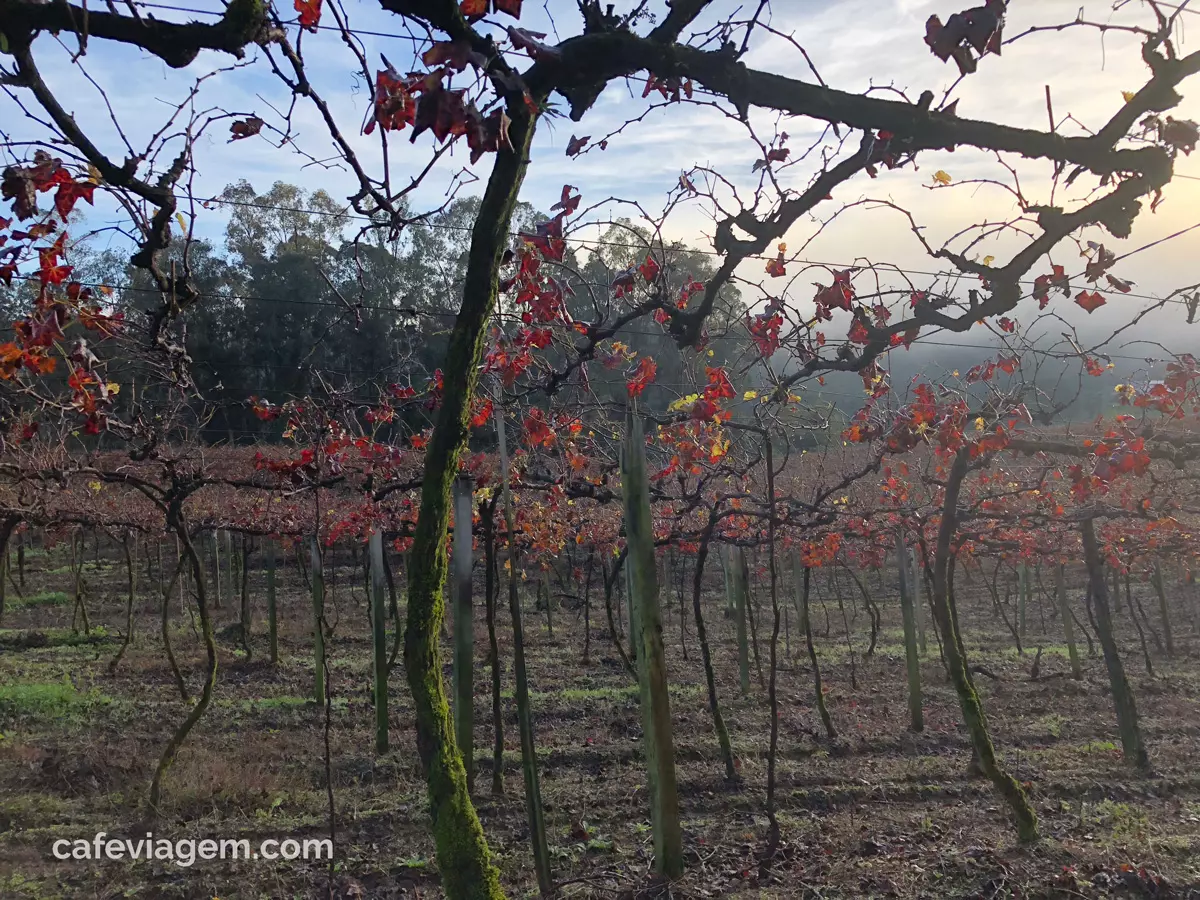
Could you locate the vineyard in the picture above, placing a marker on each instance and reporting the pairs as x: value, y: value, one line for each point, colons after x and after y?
x: 491, y: 539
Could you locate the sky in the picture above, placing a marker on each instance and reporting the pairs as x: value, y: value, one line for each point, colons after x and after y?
x: 854, y: 44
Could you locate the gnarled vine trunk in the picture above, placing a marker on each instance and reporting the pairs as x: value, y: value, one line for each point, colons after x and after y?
x: 968, y: 698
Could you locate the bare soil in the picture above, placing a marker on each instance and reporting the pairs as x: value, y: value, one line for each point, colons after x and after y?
x: 880, y: 812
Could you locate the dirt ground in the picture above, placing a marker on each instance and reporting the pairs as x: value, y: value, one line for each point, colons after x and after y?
x: 880, y: 812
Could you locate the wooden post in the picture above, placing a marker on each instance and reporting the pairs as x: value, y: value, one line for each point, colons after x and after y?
x: 1160, y: 588
x: 216, y: 545
x: 533, y: 790
x: 1064, y: 609
x: 739, y: 579
x: 1022, y: 597
x: 652, y: 666
x: 243, y: 573
x: 318, y: 610
x: 916, y: 713
x: 915, y: 581
x: 272, y: 610
x: 379, y: 638
x: 464, y: 629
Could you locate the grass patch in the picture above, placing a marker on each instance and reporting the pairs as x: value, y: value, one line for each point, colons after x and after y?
x: 46, y: 699
x: 42, y: 598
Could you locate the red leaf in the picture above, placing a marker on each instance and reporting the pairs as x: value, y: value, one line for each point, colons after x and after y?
x: 566, y: 202
x: 481, y: 412
x: 69, y: 193
x: 575, y: 145
x: 1090, y: 301
x: 310, y: 13
x: 647, y: 368
x: 244, y: 128
x: 452, y: 54
x: 719, y: 386
x: 511, y: 7
x: 649, y: 269
x: 473, y: 9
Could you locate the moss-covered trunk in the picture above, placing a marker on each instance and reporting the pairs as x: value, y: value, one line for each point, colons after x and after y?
x: 1127, y: 716
x: 956, y: 663
x: 462, y: 851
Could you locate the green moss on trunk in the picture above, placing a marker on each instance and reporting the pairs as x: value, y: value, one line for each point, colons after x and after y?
x: 462, y: 850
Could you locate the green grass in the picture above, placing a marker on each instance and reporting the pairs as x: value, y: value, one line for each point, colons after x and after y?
x: 43, y: 598
x: 43, y: 699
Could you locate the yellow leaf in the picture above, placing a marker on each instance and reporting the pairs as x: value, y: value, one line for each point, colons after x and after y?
x: 113, y: 387
x: 942, y: 177
x: 182, y: 224
x: 988, y: 260
x: 95, y: 486
x: 683, y: 403
x: 710, y: 353
x: 1128, y: 96
x: 94, y: 174
x: 750, y: 395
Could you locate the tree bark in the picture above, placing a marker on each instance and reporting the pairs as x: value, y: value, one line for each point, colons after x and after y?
x: 972, y: 708
x: 1126, y: 708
